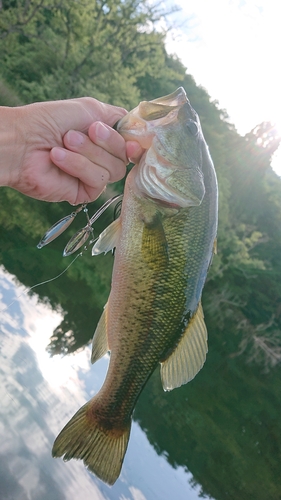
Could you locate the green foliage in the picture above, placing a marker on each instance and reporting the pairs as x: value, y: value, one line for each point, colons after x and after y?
x: 63, y: 49
x: 112, y: 50
x: 8, y: 97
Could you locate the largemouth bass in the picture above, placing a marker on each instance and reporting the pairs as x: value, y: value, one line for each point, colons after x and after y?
x: 164, y: 240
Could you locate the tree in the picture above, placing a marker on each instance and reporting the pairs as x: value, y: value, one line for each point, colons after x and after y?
x: 63, y: 49
x: 114, y: 51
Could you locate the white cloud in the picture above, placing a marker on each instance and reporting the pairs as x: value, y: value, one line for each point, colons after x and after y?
x: 136, y: 493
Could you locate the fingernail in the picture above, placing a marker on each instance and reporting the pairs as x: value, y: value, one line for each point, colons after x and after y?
x: 134, y: 150
x: 58, y: 154
x: 102, y: 131
x: 74, y: 138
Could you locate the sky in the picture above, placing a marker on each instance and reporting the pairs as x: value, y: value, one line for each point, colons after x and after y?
x: 232, y: 49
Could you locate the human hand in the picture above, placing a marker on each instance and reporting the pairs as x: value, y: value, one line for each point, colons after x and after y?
x: 134, y: 151
x: 30, y: 161
x: 94, y: 153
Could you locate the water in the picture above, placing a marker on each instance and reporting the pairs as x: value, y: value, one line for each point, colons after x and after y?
x: 218, y: 437
x: 39, y: 394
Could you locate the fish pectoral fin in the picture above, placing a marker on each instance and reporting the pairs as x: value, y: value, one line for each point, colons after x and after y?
x: 108, y: 239
x: 100, y: 344
x: 189, y: 355
x: 154, y: 244
x: 84, y: 437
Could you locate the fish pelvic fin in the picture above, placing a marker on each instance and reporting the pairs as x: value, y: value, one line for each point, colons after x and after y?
x: 100, y: 344
x: 101, y: 449
x: 189, y: 356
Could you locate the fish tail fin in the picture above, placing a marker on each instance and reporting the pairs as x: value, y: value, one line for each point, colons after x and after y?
x: 102, y: 448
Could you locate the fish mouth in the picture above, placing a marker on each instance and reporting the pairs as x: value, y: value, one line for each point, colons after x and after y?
x: 160, y: 106
x: 177, y: 98
x: 140, y: 124
x: 131, y: 123
x: 132, y: 127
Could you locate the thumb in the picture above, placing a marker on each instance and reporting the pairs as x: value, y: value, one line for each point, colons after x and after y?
x: 99, y: 111
x: 76, y: 114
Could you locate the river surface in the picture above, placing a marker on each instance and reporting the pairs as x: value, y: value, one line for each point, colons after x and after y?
x: 39, y: 394
x: 218, y: 437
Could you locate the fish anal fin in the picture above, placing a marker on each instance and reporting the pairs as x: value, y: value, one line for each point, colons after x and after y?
x: 189, y: 356
x: 154, y: 244
x: 108, y: 239
x: 101, y: 450
x: 100, y: 342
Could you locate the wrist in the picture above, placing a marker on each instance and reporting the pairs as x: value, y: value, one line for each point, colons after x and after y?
x: 11, y: 145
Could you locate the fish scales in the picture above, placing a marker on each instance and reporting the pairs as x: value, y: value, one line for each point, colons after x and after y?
x: 164, y: 242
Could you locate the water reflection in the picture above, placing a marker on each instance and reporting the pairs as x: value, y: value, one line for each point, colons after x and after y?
x: 39, y: 394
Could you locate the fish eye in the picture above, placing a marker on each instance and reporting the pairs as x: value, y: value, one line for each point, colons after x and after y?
x: 192, y: 127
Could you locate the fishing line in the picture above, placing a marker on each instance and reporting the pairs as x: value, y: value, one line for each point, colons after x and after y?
x: 75, y: 242
x: 41, y: 283
x: 59, y: 275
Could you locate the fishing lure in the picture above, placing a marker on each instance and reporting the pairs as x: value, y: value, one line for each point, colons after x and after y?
x: 59, y: 227
x: 81, y: 236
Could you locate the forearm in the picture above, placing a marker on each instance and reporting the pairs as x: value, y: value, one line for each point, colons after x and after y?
x: 11, y: 144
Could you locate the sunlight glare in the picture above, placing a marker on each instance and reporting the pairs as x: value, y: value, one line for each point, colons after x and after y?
x: 233, y: 52
x: 276, y: 162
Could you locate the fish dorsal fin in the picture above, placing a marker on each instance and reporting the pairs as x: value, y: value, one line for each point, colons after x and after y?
x: 215, y: 247
x: 215, y: 251
x: 108, y: 239
x: 100, y: 344
x: 189, y: 356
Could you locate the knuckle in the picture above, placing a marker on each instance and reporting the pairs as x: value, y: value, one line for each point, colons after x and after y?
x: 118, y: 172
